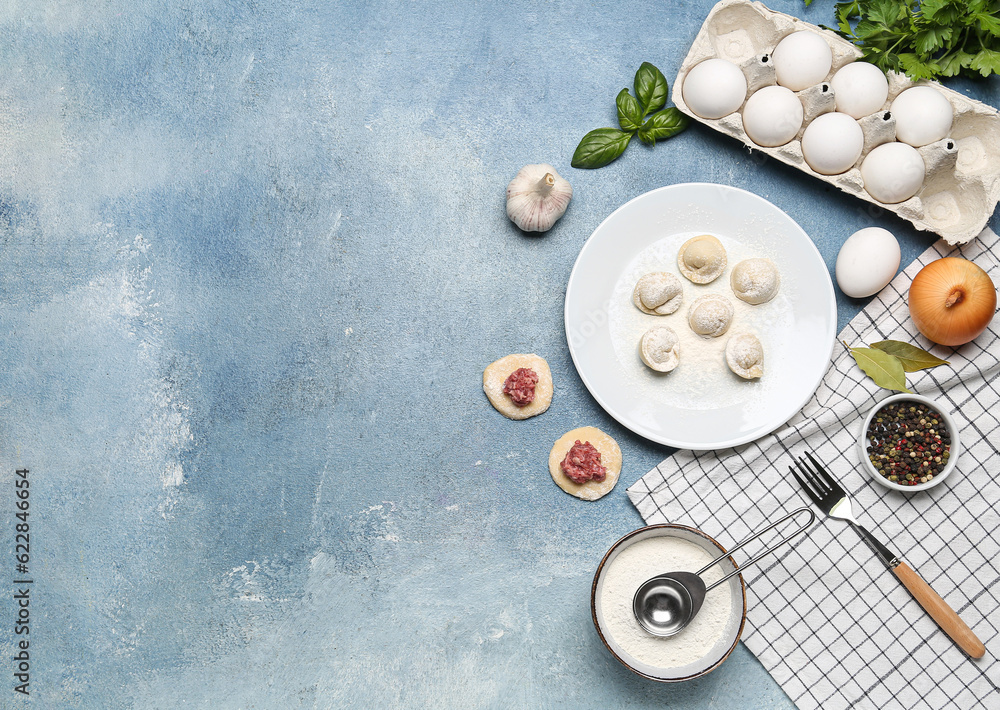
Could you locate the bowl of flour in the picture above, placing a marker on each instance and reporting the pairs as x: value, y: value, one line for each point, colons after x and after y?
x: 710, y: 637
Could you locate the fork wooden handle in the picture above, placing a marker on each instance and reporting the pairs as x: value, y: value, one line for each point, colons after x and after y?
x: 938, y: 608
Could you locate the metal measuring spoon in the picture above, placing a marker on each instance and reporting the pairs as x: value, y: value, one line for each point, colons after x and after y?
x: 663, y: 605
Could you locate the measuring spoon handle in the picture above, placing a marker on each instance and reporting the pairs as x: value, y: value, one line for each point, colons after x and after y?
x: 766, y: 552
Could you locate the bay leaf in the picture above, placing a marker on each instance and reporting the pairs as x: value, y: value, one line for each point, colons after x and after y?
x: 910, y: 356
x: 885, y: 370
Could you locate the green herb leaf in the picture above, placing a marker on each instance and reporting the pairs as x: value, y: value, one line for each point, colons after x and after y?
x: 931, y: 39
x: 662, y: 125
x: 629, y: 111
x: 603, y: 145
x: 910, y: 356
x: 943, y: 12
x: 600, y: 147
x: 872, y: 31
x: 650, y: 88
x: 886, y: 12
x: 926, y: 39
x: 986, y: 62
x: 989, y: 23
x: 915, y: 68
x: 885, y: 370
x: 845, y: 12
x: 931, y: 8
x: 953, y: 63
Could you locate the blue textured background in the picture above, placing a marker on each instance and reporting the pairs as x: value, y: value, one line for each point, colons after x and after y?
x: 254, y: 261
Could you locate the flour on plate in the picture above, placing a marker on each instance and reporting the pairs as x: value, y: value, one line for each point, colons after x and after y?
x: 702, y: 380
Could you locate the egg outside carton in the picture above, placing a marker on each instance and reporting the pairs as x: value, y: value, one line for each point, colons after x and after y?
x: 961, y: 185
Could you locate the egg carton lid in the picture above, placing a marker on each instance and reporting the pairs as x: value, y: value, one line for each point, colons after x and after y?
x: 961, y: 187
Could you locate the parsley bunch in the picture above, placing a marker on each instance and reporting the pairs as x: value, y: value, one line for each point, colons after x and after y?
x: 927, y: 39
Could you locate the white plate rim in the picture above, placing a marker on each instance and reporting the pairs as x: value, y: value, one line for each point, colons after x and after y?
x: 749, y: 436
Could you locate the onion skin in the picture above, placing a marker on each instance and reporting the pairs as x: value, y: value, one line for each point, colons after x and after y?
x: 952, y: 301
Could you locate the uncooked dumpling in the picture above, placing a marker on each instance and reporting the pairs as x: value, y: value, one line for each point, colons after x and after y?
x: 755, y: 280
x: 711, y: 315
x: 610, y: 460
x: 507, y: 396
x: 702, y: 259
x: 659, y: 348
x: 658, y: 293
x: 745, y: 356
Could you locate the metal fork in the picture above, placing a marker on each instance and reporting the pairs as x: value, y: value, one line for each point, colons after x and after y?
x: 830, y: 497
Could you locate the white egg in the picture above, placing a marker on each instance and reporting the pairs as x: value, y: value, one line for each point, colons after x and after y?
x: 893, y: 172
x: 772, y: 116
x: 802, y: 59
x: 867, y: 262
x: 714, y: 88
x: 859, y: 89
x: 832, y: 143
x: 923, y: 116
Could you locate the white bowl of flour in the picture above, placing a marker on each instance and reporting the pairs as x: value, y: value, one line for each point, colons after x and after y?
x: 710, y: 637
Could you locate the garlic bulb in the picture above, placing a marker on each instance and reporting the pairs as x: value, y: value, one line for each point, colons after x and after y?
x: 537, y: 197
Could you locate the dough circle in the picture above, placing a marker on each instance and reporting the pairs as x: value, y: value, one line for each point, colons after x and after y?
x: 702, y: 259
x: 711, y: 315
x: 659, y: 348
x: 611, y: 459
x: 658, y: 293
x: 497, y: 373
x: 755, y: 280
x: 745, y: 356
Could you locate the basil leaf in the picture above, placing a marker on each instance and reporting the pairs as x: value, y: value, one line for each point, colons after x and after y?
x: 662, y: 125
x: 885, y: 370
x: 600, y: 147
x: 910, y: 357
x: 629, y: 111
x: 650, y: 88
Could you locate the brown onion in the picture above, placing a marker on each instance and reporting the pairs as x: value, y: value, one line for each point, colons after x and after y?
x: 952, y: 301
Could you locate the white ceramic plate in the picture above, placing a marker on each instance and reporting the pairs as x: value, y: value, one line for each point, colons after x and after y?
x: 701, y: 405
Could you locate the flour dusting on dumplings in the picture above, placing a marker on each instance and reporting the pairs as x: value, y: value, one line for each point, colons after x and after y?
x: 711, y: 315
x: 755, y: 281
x: 658, y: 293
x: 660, y: 348
x: 745, y: 356
x: 680, y: 359
x: 702, y: 259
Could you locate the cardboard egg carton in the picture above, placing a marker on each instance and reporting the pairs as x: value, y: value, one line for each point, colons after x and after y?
x: 961, y: 186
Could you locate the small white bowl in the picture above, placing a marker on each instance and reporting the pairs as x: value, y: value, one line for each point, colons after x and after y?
x: 949, y: 421
x: 720, y: 650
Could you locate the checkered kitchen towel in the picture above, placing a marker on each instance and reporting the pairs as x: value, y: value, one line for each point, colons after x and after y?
x: 825, y: 617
